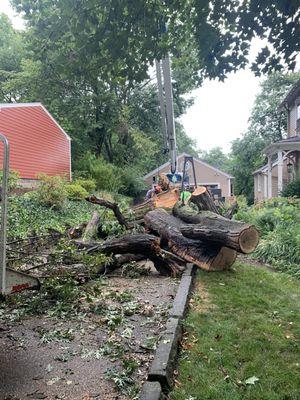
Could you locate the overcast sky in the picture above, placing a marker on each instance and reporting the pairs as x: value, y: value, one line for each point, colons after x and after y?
x: 221, y: 109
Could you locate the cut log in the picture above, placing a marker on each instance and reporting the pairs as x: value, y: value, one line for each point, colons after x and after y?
x: 91, y: 229
x: 202, y: 198
x: 208, y: 256
x: 208, y: 226
x: 165, y: 200
x: 145, y: 244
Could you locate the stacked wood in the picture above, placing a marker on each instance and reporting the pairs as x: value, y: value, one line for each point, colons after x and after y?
x: 196, y: 234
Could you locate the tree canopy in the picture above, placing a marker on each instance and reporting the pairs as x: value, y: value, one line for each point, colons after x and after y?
x: 89, y: 62
x: 266, y: 125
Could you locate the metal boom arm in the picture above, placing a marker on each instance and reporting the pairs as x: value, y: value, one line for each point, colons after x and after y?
x: 165, y: 94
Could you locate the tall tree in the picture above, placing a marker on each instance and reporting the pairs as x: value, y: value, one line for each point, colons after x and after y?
x: 12, y: 51
x: 217, y: 158
x: 266, y: 125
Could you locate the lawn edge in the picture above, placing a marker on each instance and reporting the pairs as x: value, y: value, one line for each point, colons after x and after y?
x: 160, y: 377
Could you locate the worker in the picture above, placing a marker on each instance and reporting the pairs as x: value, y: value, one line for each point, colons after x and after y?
x: 151, y: 192
x: 185, y: 195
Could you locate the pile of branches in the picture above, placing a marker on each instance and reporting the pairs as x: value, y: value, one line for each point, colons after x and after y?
x: 173, y: 234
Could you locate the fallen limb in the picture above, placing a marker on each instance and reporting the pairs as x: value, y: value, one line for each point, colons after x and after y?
x: 112, y: 206
x: 145, y: 244
x: 208, y: 256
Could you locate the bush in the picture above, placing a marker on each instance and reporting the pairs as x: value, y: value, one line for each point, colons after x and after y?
x: 292, y: 189
x: 278, y: 221
x: 88, y: 184
x: 109, y: 177
x: 51, y: 191
x: 132, y: 184
x: 76, y: 191
x: 13, y: 179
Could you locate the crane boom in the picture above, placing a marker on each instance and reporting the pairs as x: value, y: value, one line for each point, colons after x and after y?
x: 165, y: 93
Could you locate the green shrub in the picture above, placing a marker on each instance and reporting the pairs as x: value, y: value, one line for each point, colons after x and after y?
x: 292, y: 189
x: 131, y: 183
x: 76, y: 191
x: 13, y: 179
x: 88, y: 184
x: 51, y: 191
x: 278, y: 221
x: 106, y: 176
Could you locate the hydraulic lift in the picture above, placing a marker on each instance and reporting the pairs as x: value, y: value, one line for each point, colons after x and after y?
x: 165, y: 94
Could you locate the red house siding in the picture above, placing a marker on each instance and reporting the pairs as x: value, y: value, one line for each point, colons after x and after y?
x: 37, y: 143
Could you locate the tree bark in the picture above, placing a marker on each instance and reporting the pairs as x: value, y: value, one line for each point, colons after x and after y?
x: 208, y: 256
x: 203, y: 200
x: 112, y: 206
x: 208, y: 226
x: 145, y: 244
x: 91, y: 229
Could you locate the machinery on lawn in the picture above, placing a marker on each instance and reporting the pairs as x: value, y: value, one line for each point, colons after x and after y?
x: 11, y: 281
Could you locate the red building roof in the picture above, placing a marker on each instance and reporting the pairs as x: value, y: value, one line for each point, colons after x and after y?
x: 38, y: 144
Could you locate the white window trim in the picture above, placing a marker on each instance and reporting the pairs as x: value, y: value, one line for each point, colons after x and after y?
x: 209, y: 183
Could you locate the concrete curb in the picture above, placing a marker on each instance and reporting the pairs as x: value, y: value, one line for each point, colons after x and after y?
x: 151, y: 391
x: 164, y: 362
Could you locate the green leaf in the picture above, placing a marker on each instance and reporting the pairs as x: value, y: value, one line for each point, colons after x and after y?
x: 252, y: 380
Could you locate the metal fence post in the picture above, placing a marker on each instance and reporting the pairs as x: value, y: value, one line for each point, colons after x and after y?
x: 3, y: 230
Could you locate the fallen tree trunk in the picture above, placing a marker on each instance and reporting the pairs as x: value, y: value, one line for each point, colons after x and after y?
x: 208, y: 256
x: 145, y: 244
x: 202, y: 198
x: 212, y: 227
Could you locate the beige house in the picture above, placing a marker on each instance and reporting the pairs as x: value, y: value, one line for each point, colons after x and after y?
x: 283, y: 156
x: 206, y: 175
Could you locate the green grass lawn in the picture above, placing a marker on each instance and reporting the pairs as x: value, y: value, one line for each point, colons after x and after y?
x: 242, y: 324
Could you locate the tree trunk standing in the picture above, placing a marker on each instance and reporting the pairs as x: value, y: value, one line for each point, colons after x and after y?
x: 212, y: 227
x: 208, y: 256
x: 203, y: 200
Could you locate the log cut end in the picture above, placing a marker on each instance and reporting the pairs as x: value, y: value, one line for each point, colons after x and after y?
x: 224, y: 259
x: 248, y: 240
x: 199, y: 190
x: 166, y: 199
